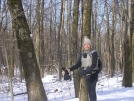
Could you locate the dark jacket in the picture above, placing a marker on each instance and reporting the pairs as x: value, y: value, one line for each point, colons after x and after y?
x: 89, y: 69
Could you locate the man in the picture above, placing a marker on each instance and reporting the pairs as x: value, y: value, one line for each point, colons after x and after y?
x: 88, y: 62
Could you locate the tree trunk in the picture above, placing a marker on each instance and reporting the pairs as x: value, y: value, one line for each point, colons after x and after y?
x: 132, y: 39
x: 108, y: 42
x: 112, y: 42
x: 50, y: 40
x: 9, y: 69
x: 69, y: 31
x: 99, y: 42
x: 34, y: 84
x: 133, y: 57
x: 94, y: 26
x: 74, y: 45
x: 122, y: 37
x: 37, y: 41
x: 12, y: 56
x: 60, y: 40
x: 87, y: 9
x: 42, y: 51
x: 127, y: 77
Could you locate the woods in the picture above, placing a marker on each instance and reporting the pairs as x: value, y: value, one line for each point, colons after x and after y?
x: 39, y: 37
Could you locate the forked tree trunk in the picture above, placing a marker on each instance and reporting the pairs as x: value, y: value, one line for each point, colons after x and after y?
x: 34, y: 84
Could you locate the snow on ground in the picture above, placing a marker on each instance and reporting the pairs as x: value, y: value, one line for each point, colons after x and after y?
x: 108, y: 89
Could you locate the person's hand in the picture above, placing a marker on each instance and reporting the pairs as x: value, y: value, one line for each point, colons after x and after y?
x: 82, y: 72
x: 68, y: 69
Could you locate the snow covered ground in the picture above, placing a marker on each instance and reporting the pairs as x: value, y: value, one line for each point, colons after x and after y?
x: 108, y: 89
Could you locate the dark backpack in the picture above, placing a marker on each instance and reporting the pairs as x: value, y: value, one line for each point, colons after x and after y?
x: 99, y: 65
x: 98, y: 70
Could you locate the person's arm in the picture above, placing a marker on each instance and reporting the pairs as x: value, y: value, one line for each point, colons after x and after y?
x: 77, y: 65
x: 94, y: 62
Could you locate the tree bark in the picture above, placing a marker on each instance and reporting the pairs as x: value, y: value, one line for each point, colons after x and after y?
x: 37, y: 34
x: 42, y: 51
x: 69, y: 32
x: 127, y: 77
x: 112, y: 42
x: 87, y: 9
x: 133, y: 57
x: 74, y: 45
x: 132, y: 39
x: 60, y: 40
x: 108, y: 42
x: 34, y: 84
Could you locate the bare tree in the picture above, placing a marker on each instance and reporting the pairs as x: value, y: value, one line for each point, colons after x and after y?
x: 112, y: 69
x: 37, y: 41
x: 42, y: 45
x: 74, y: 44
x: 60, y: 39
x: 132, y: 12
x: 127, y: 77
x: 69, y: 31
x: 20, y: 27
x: 87, y: 9
x: 107, y: 40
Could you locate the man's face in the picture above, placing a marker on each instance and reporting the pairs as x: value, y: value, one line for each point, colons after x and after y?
x: 87, y: 47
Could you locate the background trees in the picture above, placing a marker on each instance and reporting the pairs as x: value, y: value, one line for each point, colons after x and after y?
x: 52, y: 22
